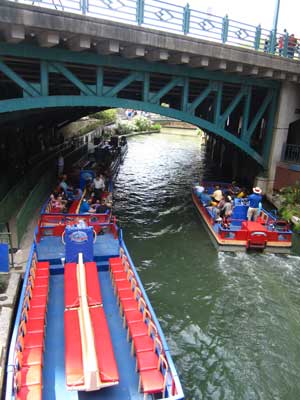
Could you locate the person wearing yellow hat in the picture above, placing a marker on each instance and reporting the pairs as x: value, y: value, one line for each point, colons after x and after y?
x: 254, y: 201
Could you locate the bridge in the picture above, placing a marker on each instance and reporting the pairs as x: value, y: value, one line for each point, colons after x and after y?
x: 57, y: 66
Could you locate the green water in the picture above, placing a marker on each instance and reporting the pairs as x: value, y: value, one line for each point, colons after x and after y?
x: 232, y: 321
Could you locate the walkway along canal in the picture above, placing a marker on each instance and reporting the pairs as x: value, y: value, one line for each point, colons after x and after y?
x: 232, y: 321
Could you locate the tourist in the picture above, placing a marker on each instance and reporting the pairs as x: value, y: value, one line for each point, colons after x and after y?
x: 254, y: 204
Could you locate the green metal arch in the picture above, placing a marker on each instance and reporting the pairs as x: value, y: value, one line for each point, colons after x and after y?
x: 31, y: 103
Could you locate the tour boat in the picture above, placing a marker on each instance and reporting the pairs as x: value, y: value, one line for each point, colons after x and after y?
x: 84, y: 327
x: 267, y: 233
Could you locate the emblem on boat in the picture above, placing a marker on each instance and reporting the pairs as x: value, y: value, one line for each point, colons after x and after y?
x: 78, y: 237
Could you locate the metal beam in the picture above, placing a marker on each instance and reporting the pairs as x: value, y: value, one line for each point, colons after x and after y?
x: 200, y: 98
x: 72, y: 78
x: 259, y: 115
x: 27, y: 87
x: 124, y: 82
x: 174, y: 82
x: 231, y: 106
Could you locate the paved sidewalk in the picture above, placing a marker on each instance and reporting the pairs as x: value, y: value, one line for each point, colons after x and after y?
x: 8, y: 300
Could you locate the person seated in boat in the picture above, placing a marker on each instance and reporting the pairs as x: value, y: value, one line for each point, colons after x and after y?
x: 100, y: 207
x: 254, y: 203
x: 98, y: 185
x: 85, y: 206
x: 205, y: 198
x: 68, y: 190
x: 226, y: 212
x: 217, y: 195
x: 218, y: 209
x: 242, y: 193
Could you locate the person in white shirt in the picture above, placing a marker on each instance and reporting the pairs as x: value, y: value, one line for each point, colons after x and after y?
x: 98, y: 185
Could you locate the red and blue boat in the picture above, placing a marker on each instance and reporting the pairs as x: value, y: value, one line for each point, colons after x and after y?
x: 268, y: 233
x: 84, y: 326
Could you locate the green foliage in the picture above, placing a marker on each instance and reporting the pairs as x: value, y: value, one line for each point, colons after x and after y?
x: 142, y: 124
x: 290, y: 196
x: 106, y: 116
x: 137, y: 124
x: 156, y: 127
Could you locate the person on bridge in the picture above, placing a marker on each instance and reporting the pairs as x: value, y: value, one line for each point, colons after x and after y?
x: 292, y: 44
x: 254, y: 202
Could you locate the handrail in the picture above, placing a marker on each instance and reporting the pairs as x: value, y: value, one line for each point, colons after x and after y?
x: 164, y: 15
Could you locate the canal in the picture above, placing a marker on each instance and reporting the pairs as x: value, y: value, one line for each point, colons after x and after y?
x: 232, y: 321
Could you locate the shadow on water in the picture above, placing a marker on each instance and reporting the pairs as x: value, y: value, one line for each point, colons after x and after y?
x: 232, y: 321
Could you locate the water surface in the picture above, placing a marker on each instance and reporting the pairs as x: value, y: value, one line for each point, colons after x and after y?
x: 232, y: 321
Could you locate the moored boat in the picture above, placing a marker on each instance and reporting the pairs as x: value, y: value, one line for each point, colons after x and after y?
x: 84, y: 326
x: 268, y: 233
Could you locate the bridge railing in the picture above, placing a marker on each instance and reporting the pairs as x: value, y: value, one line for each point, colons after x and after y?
x: 291, y: 153
x: 169, y: 17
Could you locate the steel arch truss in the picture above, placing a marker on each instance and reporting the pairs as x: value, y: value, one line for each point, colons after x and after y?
x: 240, y: 110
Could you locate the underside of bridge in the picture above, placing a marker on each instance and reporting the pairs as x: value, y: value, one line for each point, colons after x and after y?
x: 47, y: 88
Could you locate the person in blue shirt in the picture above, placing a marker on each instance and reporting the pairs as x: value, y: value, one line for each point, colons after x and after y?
x: 254, y: 202
x: 84, y: 206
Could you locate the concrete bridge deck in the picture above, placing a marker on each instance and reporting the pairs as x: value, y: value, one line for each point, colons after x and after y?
x: 49, y: 28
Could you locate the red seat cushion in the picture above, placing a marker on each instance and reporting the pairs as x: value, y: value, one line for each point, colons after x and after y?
x: 146, y: 360
x: 32, y: 340
x: 122, y: 285
x: 42, y: 273
x: 139, y: 328
x: 116, y: 268
x: 43, y: 265
x: 92, y: 284
x: 32, y: 356
x: 40, y: 291
x: 35, y: 326
x: 114, y: 260
x: 152, y: 381
x: 105, y: 356
x: 119, y: 276
x: 142, y: 343
x: 71, y: 287
x: 73, y: 352
x: 31, y: 375
x: 133, y: 316
x: 33, y: 392
x: 126, y: 294
x: 37, y: 313
x: 39, y: 302
x: 41, y: 282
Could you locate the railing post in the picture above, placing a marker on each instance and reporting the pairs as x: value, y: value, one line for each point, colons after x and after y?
x: 186, y: 19
x: 257, y: 37
x: 84, y: 6
x: 272, y: 47
x: 225, y: 26
x: 140, y: 11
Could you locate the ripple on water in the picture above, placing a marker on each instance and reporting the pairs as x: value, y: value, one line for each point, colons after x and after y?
x: 232, y: 321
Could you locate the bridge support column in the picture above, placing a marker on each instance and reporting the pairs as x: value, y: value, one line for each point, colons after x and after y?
x: 289, y: 101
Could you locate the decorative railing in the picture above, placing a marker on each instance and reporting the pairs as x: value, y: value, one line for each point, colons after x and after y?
x: 292, y: 153
x: 180, y: 19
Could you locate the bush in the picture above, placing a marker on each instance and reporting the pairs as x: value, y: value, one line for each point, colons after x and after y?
x: 290, y: 196
x: 142, y: 124
x: 106, y: 116
x: 156, y: 127
x: 125, y: 127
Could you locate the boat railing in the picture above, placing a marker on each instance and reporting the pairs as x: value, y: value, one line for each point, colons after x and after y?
x: 55, y: 224
x: 12, y: 363
x: 173, y: 384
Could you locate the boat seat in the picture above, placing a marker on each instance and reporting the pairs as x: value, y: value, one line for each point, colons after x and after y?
x: 154, y: 380
x: 105, y: 356
x: 43, y: 265
x: 92, y: 285
x: 33, y: 356
x: 71, y: 287
x: 73, y: 352
x: 33, y: 392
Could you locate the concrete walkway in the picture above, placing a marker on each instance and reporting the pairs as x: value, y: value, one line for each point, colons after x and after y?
x: 8, y: 300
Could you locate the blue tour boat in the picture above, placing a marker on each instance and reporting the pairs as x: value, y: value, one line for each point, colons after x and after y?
x: 84, y: 326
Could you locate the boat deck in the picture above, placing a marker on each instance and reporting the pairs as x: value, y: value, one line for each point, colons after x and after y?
x: 54, y: 358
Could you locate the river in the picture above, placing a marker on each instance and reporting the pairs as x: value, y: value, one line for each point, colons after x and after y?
x: 232, y: 321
